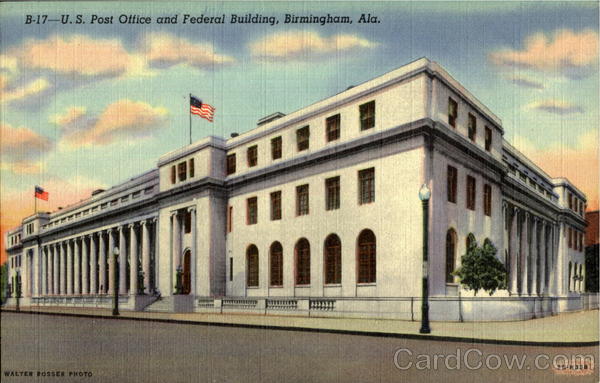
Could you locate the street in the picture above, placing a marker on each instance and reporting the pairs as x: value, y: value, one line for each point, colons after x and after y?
x: 105, y: 350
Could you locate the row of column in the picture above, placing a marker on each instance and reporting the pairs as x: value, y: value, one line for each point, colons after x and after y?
x: 532, y: 253
x: 86, y: 264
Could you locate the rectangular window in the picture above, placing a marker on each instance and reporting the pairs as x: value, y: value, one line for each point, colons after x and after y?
x: 332, y: 190
x: 173, y: 175
x: 276, y: 206
x: 230, y: 164
x: 367, y: 115
x: 366, y: 186
x: 182, y: 171
x: 187, y: 225
x: 332, y: 128
x: 252, y: 156
x: 488, y: 139
x: 191, y: 165
x: 487, y: 200
x: 251, y: 211
x: 471, y: 193
x: 452, y: 112
x: 229, y: 219
x: 230, y: 269
x: 452, y: 181
x: 472, y: 127
x: 276, y: 145
x: 302, y: 200
x: 302, y: 138
x: 570, y: 238
x: 570, y: 201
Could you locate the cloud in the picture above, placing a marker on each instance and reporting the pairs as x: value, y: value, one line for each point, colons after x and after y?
x: 298, y: 45
x: 555, y: 106
x: 123, y: 119
x: 21, y: 148
x: 568, y: 53
x: 579, y: 163
x: 526, y: 82
x: 165, y: 50
x: 35, y: 87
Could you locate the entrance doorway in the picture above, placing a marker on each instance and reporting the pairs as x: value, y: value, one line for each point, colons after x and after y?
x: 186, y: 278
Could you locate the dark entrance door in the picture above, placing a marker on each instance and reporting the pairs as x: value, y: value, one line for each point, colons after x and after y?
x: 187, y: 277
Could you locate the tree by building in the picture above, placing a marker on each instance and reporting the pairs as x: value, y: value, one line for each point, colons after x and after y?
x: 480, y: 269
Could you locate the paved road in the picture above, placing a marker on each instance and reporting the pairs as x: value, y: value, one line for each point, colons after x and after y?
x: 140, y: 351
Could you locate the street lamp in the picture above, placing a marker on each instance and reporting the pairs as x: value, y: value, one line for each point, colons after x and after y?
x: 115, y: 283
x: 424, y: 195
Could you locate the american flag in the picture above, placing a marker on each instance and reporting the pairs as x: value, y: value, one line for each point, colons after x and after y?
x: 203, y: 110
x: 41, y: 193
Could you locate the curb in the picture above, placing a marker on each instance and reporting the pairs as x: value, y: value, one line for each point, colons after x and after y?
x: 320, y: 330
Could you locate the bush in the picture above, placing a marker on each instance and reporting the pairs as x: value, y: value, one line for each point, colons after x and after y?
x: 480, y: 269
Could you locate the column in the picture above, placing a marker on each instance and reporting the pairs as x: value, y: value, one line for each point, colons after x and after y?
x: 192, y: 211
x: 505, y: 225
x: 85, y: 267
x: 122, y: 261
x: 524, y: 254
x: 56, y: 269
x: 133, y: 261
x: 513, y: 252
x: 542, y: 240
x: 176, y: 245
x: 551, y: 281
x: 102, y: 282
x: 50, y: 270
x: 146, y: 256
x: 76, y: 267
x: 111, y: 262
x: 534, y: 256
x: 560, y: 265
x: 63, y: 267
x: 44, y: 271
x: 69, y: 268
x: 93, y: 266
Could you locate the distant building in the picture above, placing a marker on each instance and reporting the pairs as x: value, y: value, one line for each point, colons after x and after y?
x: 592, y: 251
x: 318, y: 212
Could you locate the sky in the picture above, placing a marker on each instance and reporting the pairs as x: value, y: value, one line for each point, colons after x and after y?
x: 87, y: 106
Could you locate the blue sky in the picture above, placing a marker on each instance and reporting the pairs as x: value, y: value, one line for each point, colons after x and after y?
x: 529, y: 62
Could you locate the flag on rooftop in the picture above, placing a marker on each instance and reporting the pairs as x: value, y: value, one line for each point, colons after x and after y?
x: 201, y: 109
x: 41, y: 193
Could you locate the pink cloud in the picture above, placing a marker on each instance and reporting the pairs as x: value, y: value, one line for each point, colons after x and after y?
x: 21, y: 148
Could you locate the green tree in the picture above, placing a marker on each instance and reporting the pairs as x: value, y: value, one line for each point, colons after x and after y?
x: 480, y: 269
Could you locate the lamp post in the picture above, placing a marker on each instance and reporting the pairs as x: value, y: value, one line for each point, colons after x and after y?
x: 424, y: 195
x: 115, y: 283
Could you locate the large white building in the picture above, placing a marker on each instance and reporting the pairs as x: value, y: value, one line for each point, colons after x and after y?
x: 317, y: 212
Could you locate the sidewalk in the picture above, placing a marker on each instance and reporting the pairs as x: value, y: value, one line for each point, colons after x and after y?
x: 567, y: 329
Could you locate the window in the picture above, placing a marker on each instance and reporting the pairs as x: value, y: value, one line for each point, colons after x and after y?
x: 230, y: 269
x: 182, y: 171
x: 173, y: 175
x: 570, y: 272
x: 570, y: 238
x: 450, y: 255
x: 230, y: 164
x: 333, y: 260
x: 488, y: 139
x: 366, y: 186
x: 302, y: 253
x: 570, y: 201
x: 470, y: 241
x: 332, y: 128
x: 452, y: 112
x: 470, y: 193
x: 332, y: 190
x: 191, y: 165
x: 367, y: 257
x: 472, y: 127
x: 276, y: 253
x: 302, y: 200
x: 229, y: 219
x: 367, y: 115
x: 251, y: 211
x: 487, y: 199
x: 252, y: 155
x: 187, y: 223
x: 276, y: 206
x: 452, y: 181
x: 252, y: 266
x: 302, y: 138
x: 276, y: 147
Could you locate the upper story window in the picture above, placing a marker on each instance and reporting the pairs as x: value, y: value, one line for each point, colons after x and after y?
x: 452, y: 112
x: 229, y: 219
x: 187, y: 222
x: 276, y: 145
x: 366, y: 186
x: 488, y: 139
x: 182, y: 171
x: 302, y: 202
x: 452, y: 181
x: 367, y: 115
x: 173, y: 174
x: 251, y: 211
x: 570, y: 197
x: 332, y: 196
x: 332, y: 128
x: 230, y: 163
x: 191, y: 166
x: 276, y: 205
x: 252, y: 156
x: 487, y: 199
x: 303, y: 138
x: 471, y: 193
x: 472, y: 127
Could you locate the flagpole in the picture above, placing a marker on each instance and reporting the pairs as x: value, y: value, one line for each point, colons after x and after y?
x: 190, y: 113
x: 34, y: 203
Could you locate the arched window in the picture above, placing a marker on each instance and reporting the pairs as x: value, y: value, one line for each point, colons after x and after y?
x: 470, y: 241
x: 367, y: 257
x: 252, y: 266
x: 450, y: 255
x: 276, y: 253
x: 302, y: 252
x: 333, y: 259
